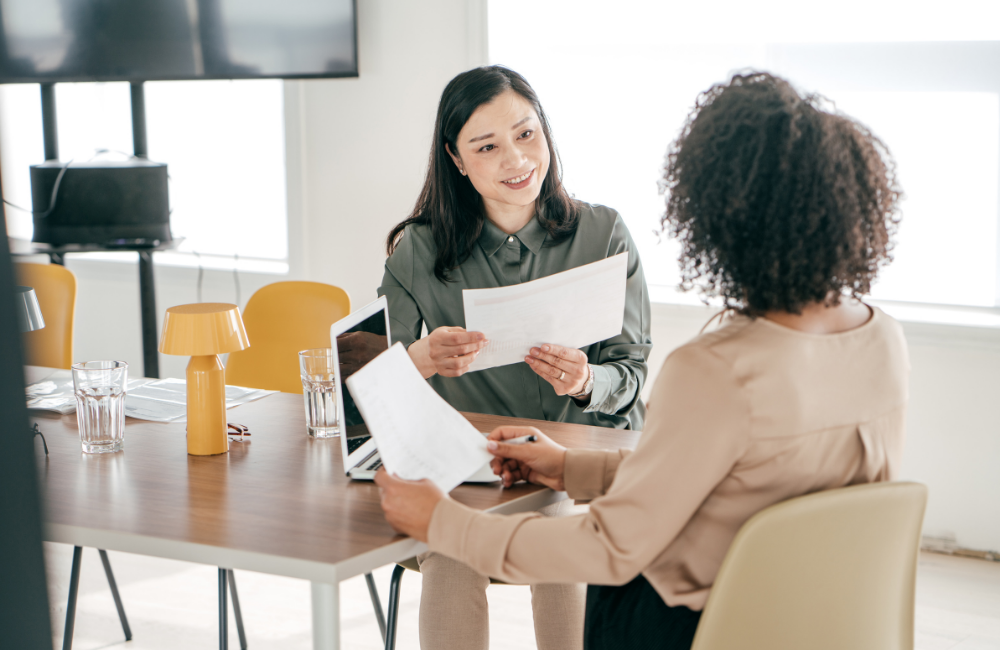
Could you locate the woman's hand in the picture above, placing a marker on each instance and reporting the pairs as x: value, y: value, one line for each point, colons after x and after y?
x: 447, y: 351
x: 408, y: 505
x: 541, y: 462
x: 564, y: 368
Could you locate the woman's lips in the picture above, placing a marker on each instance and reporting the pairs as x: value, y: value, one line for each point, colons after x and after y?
x: 522, y: 181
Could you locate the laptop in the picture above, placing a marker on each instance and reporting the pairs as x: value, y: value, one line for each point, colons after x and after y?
x: 370, y: 326
x: 356, y: 340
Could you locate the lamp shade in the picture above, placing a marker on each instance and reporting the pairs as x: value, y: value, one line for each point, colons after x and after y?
x: 29, y: 314
x: 202, y: 329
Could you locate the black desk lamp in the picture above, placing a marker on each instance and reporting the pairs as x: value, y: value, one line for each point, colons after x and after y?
x: 29, y: 314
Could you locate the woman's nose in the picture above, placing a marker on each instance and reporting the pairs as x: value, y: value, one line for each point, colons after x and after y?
x: 514, y: 158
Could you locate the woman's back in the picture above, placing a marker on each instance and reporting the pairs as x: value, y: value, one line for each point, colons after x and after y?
x: 803, y: 413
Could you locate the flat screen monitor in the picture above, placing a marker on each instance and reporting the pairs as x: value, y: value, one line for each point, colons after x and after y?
x: 147, y: 40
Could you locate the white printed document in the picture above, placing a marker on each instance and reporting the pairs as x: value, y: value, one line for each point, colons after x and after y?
x: 418, y: 434
x: 573, y: 309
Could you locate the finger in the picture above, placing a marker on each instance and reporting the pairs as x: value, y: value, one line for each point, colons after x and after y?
x: 457, y: 363
x: 462, y: 337
x: 568, y: 363
x: 382, y: 478
x: 459, y: 350
x: 569, y: 354
x: 507, y: 432
x: 516, y: 452
x: 545, y: 369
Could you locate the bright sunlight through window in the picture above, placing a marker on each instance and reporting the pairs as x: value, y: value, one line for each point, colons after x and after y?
x: 619, y: 79
x: 222, y: 141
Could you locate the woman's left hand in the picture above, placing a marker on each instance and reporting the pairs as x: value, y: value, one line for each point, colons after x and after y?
x: 564, y: 368
x: 408, y: 505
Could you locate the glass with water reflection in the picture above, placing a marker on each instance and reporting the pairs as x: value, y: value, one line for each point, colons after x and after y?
x: 99, y: 387
x: 319, y: 391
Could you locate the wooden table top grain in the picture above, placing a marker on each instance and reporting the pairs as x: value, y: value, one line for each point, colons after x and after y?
x: 281, y: 493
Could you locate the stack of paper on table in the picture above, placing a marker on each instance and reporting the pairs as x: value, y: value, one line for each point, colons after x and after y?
x: 157, y: 400
x: 165, y: 400
x: 418, y: 434
x: 573, y: 309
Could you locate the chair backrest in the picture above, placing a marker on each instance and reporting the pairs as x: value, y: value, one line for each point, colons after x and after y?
x: 827, y: 571
x: 281, y: 319
x: 55, y: 286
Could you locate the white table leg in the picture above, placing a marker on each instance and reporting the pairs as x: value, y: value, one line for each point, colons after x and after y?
x: 326, y: 616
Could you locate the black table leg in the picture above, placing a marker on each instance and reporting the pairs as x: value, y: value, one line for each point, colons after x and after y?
x: 223, y: 611
x: 147, y: 297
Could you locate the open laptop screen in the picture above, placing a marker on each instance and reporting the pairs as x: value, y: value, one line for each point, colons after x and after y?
x: 355, y: 348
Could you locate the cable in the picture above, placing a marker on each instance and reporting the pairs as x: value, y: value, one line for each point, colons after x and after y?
x: 236, y: 276
x: 55, y: 188
x: 52, y: 196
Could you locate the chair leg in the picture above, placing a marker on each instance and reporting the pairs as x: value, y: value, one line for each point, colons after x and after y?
x: 390, y: 632
x: 376, y: 604
x: 236, y: 610
x: 114, y: 593
x: 223, y: 611
x: 74, y: 586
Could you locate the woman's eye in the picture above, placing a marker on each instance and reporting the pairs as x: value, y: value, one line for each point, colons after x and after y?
x: 488, y: 147
x: 527, y: 134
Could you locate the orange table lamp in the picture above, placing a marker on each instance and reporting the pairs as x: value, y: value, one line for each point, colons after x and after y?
x: 204, y: 331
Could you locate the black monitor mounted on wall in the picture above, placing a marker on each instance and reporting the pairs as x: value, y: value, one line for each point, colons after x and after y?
x: 49, y: 41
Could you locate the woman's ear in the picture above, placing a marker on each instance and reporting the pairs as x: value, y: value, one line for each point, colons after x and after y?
x: 455, y: 159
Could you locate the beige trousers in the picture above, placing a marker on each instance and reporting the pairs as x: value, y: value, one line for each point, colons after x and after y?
x: 454, y: 614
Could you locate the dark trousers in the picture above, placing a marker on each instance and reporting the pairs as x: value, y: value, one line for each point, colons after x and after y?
x: 634, y: 616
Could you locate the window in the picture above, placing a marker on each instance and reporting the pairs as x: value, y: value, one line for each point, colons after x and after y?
x: 619, y: 80
x: 223, y: 142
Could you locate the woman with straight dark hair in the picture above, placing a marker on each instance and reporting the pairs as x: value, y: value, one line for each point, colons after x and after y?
x: 493, y: 212
x: 786, y: 211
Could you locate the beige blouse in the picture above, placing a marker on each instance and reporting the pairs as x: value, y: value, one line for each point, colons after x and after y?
x: 739, y: 419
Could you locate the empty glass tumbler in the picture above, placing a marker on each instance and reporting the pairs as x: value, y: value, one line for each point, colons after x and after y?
x: 100, y: 404
x: 319, y: 390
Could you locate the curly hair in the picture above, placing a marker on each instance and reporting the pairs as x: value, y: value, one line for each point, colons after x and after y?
x: 778, y: 203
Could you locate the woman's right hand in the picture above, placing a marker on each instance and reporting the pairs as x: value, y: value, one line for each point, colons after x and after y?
x: 541, y: 462
x: 447, y: 351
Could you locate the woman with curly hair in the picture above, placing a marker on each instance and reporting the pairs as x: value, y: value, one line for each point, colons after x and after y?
x: 786, y: 212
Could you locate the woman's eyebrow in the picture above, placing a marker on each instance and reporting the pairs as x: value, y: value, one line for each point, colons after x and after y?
x: 490, y: 135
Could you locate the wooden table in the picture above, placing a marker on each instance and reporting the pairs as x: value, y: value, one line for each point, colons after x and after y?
x: 278, y: 503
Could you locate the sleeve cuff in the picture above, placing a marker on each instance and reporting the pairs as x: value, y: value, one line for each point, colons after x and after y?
x: 449, y: 527
x: 585, y: 473
x: 602, y: 388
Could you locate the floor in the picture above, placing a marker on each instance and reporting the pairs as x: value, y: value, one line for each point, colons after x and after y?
x: 174, y: 605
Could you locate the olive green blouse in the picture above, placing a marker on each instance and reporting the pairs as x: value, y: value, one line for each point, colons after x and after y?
x: 417, y: 298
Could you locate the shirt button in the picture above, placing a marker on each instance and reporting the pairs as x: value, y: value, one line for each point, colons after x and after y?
x: 511, y: 238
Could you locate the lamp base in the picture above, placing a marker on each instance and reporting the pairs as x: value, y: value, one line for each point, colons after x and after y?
x: 206, y: 406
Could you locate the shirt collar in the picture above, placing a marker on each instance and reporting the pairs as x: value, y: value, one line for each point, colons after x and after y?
x: 492, y: 238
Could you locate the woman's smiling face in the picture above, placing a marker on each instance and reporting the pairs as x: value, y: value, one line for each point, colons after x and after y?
x: 503, y: 151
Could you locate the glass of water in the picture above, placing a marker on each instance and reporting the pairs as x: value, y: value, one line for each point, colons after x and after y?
x: 319, y: 390
x: 100, y: 404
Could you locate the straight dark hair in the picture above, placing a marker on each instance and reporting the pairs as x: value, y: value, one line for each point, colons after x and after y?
x: 449, y: 203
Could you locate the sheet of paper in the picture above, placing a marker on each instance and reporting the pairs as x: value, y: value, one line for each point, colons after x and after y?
x: 418, y: 434
x: 166, y: 400
x: 574, y: 308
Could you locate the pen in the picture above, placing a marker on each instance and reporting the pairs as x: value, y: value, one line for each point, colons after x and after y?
x: 522, y: 440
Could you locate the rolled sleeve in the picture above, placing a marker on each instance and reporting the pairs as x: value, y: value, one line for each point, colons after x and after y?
x: 589, y: 473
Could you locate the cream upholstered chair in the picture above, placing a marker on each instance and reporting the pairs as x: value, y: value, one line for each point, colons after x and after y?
x: 833, y: 570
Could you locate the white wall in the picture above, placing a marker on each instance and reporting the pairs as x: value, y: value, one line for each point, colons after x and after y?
x: 357, y: 150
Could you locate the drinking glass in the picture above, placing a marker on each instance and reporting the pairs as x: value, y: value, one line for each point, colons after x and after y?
x: 99, y: 387
x: 319, y: 390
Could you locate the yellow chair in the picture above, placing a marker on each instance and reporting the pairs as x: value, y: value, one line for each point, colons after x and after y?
x: 55, y: 286
x: 281, y: 319
x: 827, y: 571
